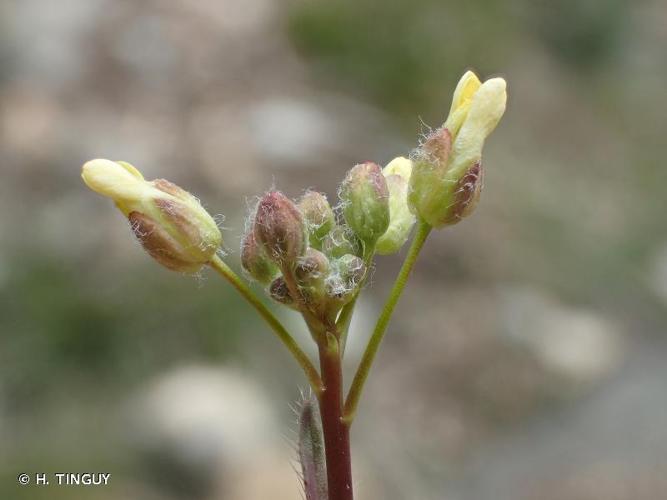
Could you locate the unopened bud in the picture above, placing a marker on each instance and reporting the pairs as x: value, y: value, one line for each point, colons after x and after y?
x: 343, y: 283
x: 401, y: 219
x: 279, y: 292
x: 311, y: 272
x: 351, y: 269
x: 312, y: 264
x: 169, y: 222
x: 365, y: 201
x: 254, y: 260
x: 340, y: 241
x: 318, y: 215
x: 280, y: 228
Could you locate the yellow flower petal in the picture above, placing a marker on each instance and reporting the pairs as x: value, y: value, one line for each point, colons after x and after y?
x: 399, y: 166
x: 488, y: 106
x: 113, y: 180
x: 486, y: 110
x: 465, y: 89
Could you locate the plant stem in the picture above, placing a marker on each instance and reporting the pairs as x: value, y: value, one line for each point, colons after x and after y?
x: 352, y: 401
x: 345, y: 317
x: 336, y: 432
x: 314, y: 324
x: 311, y: 372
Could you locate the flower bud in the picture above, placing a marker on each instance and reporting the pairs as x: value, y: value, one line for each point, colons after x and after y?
x: 340, y: 241
x: 342, y: 284
x: 311, y: 272
x: 447, y: 175
x: 318, y: 215
x: 311, y: 265
x: 279, y: 292
x: 254, y: 260
x: 169, y: 222
x: 280, y: 228
x: 397, y: 174
x: 365, y: 200
x: 351, y: 269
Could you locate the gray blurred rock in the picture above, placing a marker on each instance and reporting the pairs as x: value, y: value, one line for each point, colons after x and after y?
x: 197, y: 423
x: 575, y: 343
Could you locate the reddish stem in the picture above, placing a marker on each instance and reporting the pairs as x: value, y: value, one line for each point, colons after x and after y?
x: 336, y: 432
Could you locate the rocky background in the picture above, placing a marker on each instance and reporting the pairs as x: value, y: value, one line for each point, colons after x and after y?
x: 527, y: 360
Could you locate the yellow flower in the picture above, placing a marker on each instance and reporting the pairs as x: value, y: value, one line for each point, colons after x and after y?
x: 397, y: 174
x: 447, y: 176
x: 169, y: 222
x: 465, y: 89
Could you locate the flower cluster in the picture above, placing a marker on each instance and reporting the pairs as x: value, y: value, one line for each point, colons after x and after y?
x: 310, y: 258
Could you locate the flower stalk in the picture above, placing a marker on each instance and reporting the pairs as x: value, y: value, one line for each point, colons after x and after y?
x: 335, y: 429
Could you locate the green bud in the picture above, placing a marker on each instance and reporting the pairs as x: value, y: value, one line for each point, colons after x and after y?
x: 340, y: 241
x: 170, y: 223
x: 401, y: 219
x: 351, y: 269
x: 348, y: 273
x: 365, y: 201
x: 311, y: 272
x: 280, y: 228
x: 318, y: 215
x: 254, y: 260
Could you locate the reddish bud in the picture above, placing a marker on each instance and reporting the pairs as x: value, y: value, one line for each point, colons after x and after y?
x: 280, y: 228
x: 279, y: 292
x: 254, y: 260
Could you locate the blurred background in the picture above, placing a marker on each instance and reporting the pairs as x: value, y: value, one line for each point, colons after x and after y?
x: 527, y: 359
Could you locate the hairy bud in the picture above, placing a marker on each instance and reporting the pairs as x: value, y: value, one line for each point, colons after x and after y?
x: 351, y: 269
x: 447, y: 176
x: 169, y: 222
x: 279, y: 292
x: 254, y: 260
x: 340, y: 241
x: 318, y: 215
x: 280, y: 228
x: 365, y: 201
x: 311, y: 272
x: 342, y: 284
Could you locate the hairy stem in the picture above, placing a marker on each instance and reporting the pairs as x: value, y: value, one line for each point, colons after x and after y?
x: 336, y: 432
x: 352, y: 401
x: 315, y: 324
x: 277, y: 327
x: 345, y: 316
